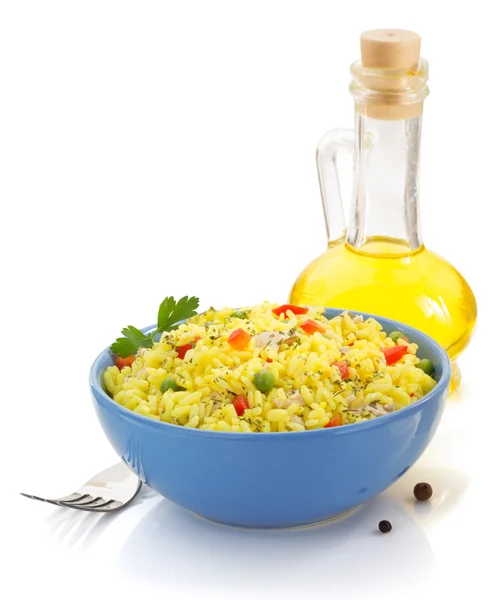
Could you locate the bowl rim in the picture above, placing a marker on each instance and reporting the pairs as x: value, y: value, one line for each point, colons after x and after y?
x: 440, y: 389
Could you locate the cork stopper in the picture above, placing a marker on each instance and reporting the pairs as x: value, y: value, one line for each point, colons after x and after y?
x: 390, y: 80
x: 390, y: 49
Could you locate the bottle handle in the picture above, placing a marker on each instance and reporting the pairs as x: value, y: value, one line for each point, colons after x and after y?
x: 326, y: 162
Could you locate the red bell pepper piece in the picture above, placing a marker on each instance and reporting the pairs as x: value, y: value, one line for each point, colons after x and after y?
x: 124, y: 362
x: 343, y: 367
x: 394, y: 353
x: 297, y: 310
x: 334, y: 422
x: 181, y: 350
x: 240, y: 404
x: 311, y: 327
x: 239, y: 339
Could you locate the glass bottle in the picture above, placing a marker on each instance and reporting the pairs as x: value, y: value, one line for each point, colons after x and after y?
x: 379, y: 264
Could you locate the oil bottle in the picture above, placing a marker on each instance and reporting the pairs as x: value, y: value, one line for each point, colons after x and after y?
x: 379, y: 264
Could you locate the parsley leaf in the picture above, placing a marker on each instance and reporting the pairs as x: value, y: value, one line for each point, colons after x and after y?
x: 136, y: 335
x: 124, y: 347
x: 169, y: 313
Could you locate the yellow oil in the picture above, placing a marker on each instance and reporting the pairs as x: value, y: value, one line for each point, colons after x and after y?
x: 418, y: 288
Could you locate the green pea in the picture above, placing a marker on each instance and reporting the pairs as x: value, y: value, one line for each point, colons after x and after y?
x: 264, y: 381
x: 426, y: 366
x: 169, y: 384
x: 239, y: 314
x: 396, y: 335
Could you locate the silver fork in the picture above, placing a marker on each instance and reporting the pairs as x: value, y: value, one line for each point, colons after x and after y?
x: 107, y: 491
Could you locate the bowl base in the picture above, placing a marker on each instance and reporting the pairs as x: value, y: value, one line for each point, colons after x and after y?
x: 300, y: 525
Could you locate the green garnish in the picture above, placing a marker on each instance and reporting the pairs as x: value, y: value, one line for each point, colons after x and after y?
x: 264, y: 381
x: 426, y: 365
x: 169, y: 384
x: 169, y: 313
x: 396, y: 335
x: 239, y: 314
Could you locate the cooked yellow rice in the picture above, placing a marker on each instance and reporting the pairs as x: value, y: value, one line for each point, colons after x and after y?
x: 308, y: 392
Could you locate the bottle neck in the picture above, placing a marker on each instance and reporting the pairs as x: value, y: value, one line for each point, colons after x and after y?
x: 385, y: 214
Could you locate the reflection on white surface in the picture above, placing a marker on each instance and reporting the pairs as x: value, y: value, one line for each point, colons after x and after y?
x: 449, y: 487
x: 307, y: 560
x: 78, y: 529
x: 170, y: 546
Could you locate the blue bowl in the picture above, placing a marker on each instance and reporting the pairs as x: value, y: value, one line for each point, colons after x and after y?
x: 271, y: 480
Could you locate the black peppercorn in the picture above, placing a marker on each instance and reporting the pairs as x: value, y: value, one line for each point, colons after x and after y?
x: 422, y: 491
x: 385, y: 526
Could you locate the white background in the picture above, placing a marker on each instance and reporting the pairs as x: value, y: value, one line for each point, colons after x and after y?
x: 157, y: 148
